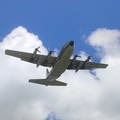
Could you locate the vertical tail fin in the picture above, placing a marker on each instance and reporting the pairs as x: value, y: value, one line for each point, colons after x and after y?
x: 47, y: 72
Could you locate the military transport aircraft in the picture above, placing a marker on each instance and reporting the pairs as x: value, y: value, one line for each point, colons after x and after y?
x: 59, y: 64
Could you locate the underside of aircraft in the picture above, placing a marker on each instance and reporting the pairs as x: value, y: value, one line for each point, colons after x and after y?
x: 59, y: 64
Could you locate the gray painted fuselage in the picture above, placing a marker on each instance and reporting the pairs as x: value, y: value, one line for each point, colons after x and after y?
x: 62, y: 61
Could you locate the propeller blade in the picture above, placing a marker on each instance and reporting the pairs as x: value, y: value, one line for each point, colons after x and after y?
x: 78, y: 56
x: 36, y: 49
x: 89, y: 58
x: 51, y: 52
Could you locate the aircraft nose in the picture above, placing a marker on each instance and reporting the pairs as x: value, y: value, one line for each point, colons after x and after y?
x: 71, y: 43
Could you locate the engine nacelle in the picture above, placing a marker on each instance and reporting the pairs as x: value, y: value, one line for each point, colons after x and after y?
x: 79, y: 66
x: 39, y: 61
x: 82, y: 65
x: 75, y: 58
x: 49, y: 55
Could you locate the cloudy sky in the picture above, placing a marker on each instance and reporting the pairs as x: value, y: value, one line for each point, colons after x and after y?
x: 89, y: 95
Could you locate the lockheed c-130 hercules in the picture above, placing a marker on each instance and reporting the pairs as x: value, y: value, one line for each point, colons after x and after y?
x: 59, y: 64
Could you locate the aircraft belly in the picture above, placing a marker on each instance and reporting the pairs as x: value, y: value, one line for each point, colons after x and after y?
x: 60, y: 65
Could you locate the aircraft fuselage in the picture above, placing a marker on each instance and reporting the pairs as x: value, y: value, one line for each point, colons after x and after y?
x: 62, y: 61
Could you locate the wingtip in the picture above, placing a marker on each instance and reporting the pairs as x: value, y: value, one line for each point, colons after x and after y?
x: 6, y: 51
x: 66, y: 84
x: 106, y: 65
x: 30, y: 80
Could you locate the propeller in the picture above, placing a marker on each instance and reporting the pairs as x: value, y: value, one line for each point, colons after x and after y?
x: 89, y: 58
x: 77, y: 56
x: 51, y: 52
x: 36, y: 49
x: 74, y: 59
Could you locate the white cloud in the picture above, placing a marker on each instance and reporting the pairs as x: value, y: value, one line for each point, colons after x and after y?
x: 84, y: 97
x: 109, y: 42
x: 106, y: 41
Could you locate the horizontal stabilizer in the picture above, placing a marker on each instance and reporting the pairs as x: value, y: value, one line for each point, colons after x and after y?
x: 44, y: 82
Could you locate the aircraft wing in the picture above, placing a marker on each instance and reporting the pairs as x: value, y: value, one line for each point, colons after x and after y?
x: 85, y: 65
x: 28, y: 57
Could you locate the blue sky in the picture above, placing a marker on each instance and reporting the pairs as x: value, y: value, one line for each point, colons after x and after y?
x: 58, y: 21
